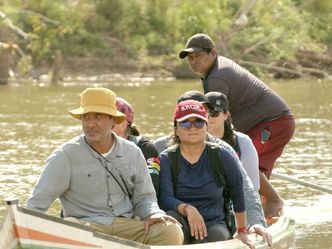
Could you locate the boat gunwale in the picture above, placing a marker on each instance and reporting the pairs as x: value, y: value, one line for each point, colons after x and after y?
x: 282, y: 230
x: 95, y: 233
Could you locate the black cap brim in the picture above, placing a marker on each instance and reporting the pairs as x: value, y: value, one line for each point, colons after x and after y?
x: 209, y: 105
x: 183, y: 53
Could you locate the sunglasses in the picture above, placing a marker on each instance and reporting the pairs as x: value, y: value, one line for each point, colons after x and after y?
x: 198, y: 124
x: 213, y: 113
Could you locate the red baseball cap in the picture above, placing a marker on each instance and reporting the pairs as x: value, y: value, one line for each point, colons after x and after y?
x: 123, y: 106
x: 188, y: 109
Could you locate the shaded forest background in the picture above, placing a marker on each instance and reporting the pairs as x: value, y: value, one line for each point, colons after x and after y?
x: 285, y: 38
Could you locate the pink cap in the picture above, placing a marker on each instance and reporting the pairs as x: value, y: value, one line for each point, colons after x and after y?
x: 188, y: 109
x: 123, y: 106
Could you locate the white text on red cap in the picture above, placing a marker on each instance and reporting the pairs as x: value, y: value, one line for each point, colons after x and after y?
x: 187, y: 107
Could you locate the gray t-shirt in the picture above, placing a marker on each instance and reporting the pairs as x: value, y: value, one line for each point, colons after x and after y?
x: 251, y: 101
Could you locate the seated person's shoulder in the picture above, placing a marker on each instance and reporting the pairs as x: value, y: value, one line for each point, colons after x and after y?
x: 148, y: 148
x: 241, y: 135
x: 126, y: 144
x: 221, y: 143
x: 162, y: 143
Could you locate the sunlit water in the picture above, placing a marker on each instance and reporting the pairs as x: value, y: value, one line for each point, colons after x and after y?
x: 34, y: 121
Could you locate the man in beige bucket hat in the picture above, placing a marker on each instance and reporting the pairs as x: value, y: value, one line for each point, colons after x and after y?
x: 102, y: 180
x: 101, y: 100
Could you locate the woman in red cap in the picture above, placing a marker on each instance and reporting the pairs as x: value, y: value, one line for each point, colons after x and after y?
x: 195, y: 197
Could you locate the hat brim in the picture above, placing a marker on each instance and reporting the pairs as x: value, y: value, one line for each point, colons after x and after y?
x: 119, y: 116
x: 192, y: 115
x: 209, y: 105
x: 183, y: 53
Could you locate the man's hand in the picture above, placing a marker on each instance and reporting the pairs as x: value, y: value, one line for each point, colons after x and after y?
x: 156, y: 218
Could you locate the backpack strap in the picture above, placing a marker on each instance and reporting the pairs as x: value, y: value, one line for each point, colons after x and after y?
x: 174, y: 157
x: 215, y: 158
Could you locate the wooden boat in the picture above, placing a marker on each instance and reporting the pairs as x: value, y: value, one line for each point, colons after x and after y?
x: 23, y: 228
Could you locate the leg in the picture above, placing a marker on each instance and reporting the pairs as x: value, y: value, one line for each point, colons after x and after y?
x: 159, y: 233
x: 132, y: 229
x: 217, y: 232
x: 272, y: 201
x: 185, y: 225
x: 165, y: 234
x: 270, y: 139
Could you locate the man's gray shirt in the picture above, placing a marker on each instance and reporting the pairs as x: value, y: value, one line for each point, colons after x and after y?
x: 94, y: 188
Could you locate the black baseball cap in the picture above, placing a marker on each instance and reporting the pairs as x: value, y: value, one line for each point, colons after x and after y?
x: 218, y: 100
x: 197, y: 43
x: 196, y: 95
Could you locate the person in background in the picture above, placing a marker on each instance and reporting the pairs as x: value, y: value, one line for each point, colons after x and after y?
x: 197, y: 201
x: 256, y: 109
x: 102, y: 180
x: 220, y: 125
x: 128, y: 130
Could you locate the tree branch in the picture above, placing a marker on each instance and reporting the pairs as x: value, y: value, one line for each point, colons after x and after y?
x: 44, y: 18
x: 16, y: 29
x: 302, y: 71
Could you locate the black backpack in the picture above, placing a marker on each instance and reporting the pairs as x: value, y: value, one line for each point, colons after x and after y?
x: 215, y: 157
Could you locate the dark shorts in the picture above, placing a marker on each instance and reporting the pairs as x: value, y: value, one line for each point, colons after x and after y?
x: 270, y: 139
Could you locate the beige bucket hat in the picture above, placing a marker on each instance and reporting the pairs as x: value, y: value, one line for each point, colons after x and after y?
x: 101, y: 100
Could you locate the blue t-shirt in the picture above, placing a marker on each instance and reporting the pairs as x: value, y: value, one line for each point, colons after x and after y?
x: 196, y: 185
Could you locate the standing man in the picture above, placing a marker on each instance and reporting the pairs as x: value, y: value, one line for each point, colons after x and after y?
x: 256, y: 109
x: 102, y: 179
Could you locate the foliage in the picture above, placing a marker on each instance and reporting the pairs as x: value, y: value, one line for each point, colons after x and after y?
x: 320, y: 18
x: 269, y: 30
x: 24, y: 64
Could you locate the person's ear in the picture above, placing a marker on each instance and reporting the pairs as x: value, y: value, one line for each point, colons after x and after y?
x: 226, y: 115
x: 213, y: 52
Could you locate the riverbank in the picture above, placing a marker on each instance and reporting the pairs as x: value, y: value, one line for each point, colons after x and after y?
x: 117, y: 68
x: 307, y: 64
x: 121, y: 66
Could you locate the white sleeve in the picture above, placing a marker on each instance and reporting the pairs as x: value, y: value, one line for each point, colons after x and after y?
x: 249, y: 158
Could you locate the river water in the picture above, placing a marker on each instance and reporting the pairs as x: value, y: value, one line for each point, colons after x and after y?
x: 34, y: 121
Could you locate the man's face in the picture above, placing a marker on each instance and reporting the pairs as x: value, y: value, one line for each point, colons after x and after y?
x: 201, y: 62
x: 97, y: 126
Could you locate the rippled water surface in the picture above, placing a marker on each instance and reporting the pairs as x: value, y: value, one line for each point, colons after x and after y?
x: 34, y: 121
